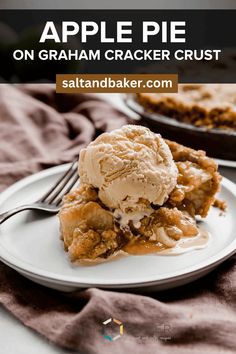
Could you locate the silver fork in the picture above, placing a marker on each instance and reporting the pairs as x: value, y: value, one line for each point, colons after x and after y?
x: 50, y: 201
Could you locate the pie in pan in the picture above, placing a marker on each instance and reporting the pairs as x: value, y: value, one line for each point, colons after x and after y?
x: 204, y: 105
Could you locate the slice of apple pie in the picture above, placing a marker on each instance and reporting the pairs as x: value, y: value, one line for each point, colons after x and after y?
x: 137, y: 193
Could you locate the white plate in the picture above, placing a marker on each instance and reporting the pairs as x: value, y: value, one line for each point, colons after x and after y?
x: 226, y: 163
x: 30, y: 243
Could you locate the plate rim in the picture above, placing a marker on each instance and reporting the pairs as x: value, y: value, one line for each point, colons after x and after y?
x: 25, y: 268
x: 225, y: 163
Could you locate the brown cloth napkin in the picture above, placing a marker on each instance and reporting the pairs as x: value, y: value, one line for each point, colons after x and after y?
x: 39, y: 129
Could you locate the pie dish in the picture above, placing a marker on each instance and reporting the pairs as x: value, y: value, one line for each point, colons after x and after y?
x: 203, y: 105
x: 92, y: 223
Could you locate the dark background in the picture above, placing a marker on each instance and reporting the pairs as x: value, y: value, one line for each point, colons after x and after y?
x: 21, y: 29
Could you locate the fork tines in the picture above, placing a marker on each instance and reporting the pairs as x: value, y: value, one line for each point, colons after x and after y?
x: 65, y: 183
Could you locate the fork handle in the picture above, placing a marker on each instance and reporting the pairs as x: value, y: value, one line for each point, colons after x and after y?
x: 9, y: 213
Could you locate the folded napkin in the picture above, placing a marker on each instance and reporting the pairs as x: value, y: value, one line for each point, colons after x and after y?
x: 39, y: 129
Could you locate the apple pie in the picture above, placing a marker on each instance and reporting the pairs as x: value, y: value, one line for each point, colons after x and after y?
x: 203, y: 105
x: 93, y: 226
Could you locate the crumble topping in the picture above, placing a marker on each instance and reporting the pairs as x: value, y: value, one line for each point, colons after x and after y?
x: 90, y: 230
x: 203, y: 105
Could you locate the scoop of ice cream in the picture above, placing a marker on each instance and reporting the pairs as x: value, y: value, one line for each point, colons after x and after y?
x: 131, y: 167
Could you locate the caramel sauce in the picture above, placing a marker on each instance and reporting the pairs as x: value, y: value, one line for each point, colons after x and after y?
x: 139, y: 247
x: 200, y: 240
